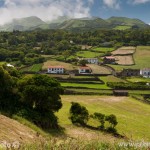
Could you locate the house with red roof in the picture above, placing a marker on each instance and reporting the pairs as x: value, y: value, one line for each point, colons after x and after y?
x: 84, y: 70
x: 56, y: 69
x: 109, y: 60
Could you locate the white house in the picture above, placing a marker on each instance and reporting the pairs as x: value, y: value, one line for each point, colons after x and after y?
x: 9, y: 65
x: 145, y: 72
x: 85, y: 69
x: 56, y: 69
x: 91, y: 60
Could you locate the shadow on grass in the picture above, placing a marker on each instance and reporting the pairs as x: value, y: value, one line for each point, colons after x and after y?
x: 114, y: 133
x: 57, y: 132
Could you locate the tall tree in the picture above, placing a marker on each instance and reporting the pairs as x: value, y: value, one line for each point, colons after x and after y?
x: 41, y: 94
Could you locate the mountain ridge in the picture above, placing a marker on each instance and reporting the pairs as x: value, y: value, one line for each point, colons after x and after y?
x: 64, y: 22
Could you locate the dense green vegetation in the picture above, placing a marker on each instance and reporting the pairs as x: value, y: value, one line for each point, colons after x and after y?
x: 35, y: 98
x: 27, y: 48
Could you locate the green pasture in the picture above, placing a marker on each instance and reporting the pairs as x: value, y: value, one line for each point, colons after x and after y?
x: 91, y: 86
x: 111, y: 78
x: 122, y: 27
x: 103, y: 49
x: 133, y: 116
x: 138, y: 79
x: 88, y: 54
x: 33, y: 68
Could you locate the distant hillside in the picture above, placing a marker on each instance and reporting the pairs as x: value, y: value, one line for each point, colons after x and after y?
x: 124, y: 21
x: 64, y: 22
x: 86, y: 23
x: 23, y: 24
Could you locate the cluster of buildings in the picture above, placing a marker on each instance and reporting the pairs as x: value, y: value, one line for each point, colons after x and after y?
x: 145, y: 72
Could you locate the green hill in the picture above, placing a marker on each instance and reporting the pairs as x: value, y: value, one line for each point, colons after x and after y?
x: 86, y: 23
x: 124, y: 21
x: 23, y: 24
x: 64, y: 22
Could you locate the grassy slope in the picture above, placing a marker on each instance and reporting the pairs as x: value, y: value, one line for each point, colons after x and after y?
x: 111, y: 79
x: 133, y: 116
x: 24, y: 132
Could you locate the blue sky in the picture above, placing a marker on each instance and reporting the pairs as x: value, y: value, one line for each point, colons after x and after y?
x: 51, y: 9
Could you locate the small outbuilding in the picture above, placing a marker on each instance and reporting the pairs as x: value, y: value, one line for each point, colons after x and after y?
x: 120, y: 92
x: 109, y: 60
x: 84, y: 69
x: 129, y: 72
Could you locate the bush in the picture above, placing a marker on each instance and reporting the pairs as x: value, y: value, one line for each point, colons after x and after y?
x: 78, y: 114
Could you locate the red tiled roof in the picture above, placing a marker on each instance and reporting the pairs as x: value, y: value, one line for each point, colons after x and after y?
x: 84, y: 67
x: 146, y: 69
x: 110, y: 57
x: 55, y: 67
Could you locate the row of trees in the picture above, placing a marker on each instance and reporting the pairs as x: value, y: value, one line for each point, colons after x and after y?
x: 36, y: 97
x: 80, y: 115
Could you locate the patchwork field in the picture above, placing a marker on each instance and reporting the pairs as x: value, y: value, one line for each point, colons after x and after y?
x: 133, y: 116
x: 124, y: 51
x: 124, y: 60
x: 96, y: 69
x: 67, y: 66
x: 141, y: 59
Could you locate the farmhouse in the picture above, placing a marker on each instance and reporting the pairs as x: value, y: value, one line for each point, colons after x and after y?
x: 129, y: 72
x: 84, y: 69
x: 109, y: 60
x: 145, y: 72
x: 91, y: 60
x: 56, y: 69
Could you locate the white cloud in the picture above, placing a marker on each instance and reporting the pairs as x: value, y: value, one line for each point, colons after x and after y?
x: 115, y: 4
x: 138, y: 1
x: 45, y: 9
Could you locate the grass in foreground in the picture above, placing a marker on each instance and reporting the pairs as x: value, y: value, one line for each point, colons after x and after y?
x: 133, y: 116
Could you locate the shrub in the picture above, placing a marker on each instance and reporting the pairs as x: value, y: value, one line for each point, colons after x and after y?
x: 78, y: 114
